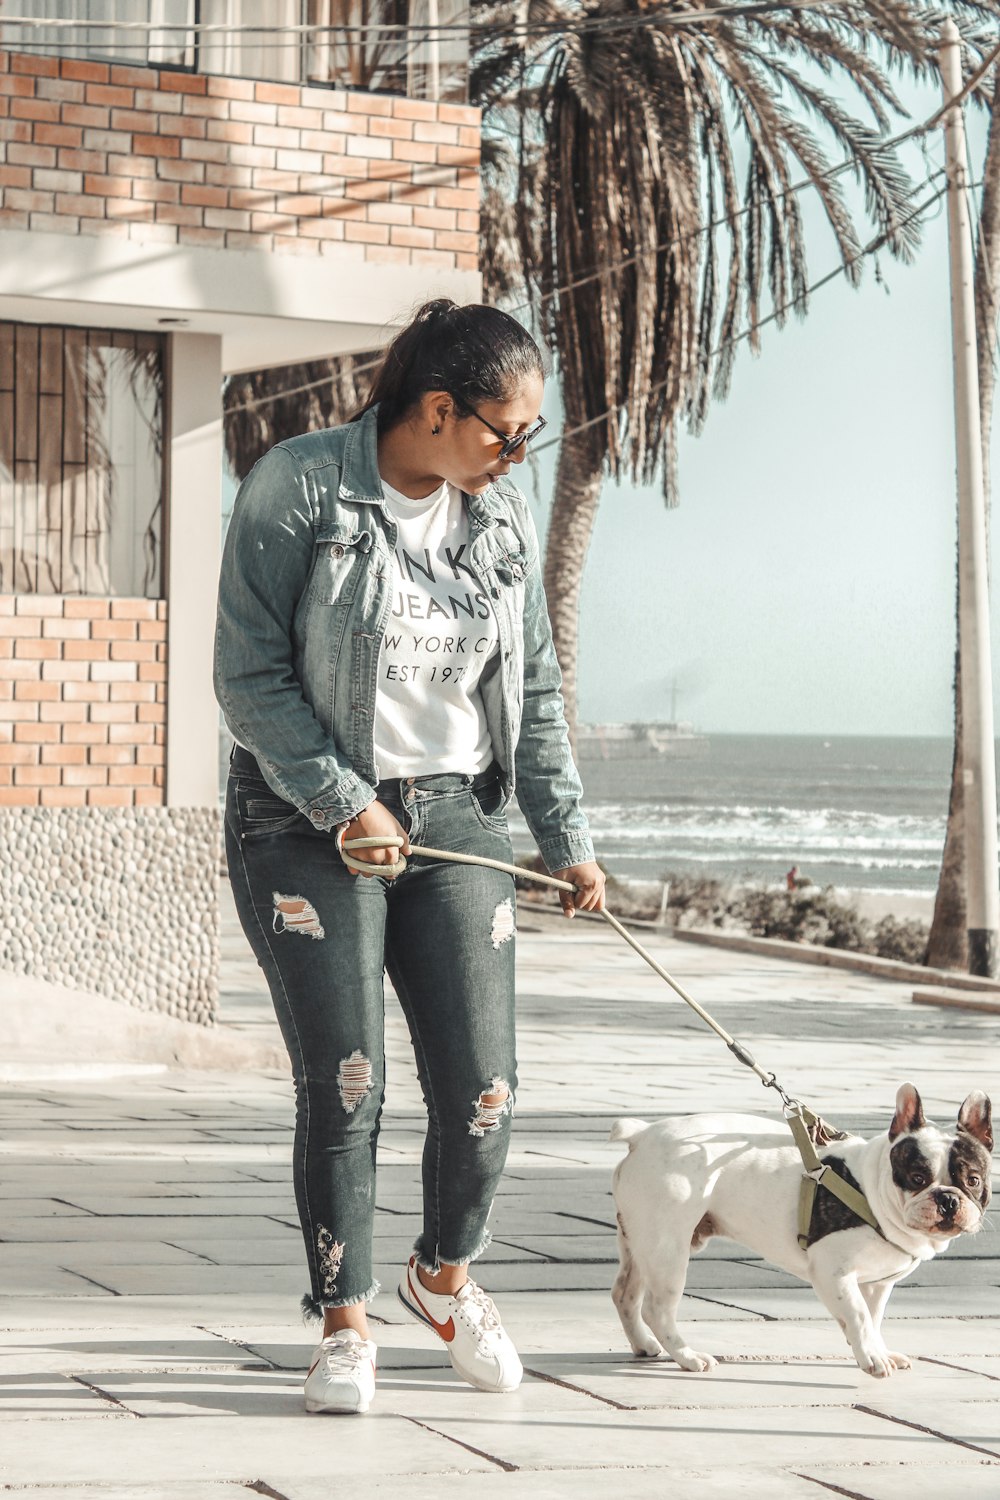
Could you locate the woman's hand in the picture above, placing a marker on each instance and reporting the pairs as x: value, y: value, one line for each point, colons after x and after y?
x: 376, y: 821
x: 589, y: 881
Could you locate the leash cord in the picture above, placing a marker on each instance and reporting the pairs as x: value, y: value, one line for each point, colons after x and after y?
x: 807, y: 1128
x: 801, y: 1120
x: 739, y: 1051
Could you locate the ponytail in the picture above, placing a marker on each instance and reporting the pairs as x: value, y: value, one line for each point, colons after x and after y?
x: 476, y: 353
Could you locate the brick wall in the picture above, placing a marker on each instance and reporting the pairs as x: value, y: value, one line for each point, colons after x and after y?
x: 152, y: 155
x: 82, y: 701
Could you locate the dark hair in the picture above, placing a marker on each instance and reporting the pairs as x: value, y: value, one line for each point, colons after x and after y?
x: 476, y: 353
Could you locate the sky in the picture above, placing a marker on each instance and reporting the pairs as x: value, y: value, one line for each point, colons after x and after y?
x: 806, y: 582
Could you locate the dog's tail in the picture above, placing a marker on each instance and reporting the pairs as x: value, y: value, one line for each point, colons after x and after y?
x: 626, y: 1129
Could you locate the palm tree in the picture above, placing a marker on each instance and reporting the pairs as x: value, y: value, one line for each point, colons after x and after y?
x: 624, y: 125
x: 948, y: 946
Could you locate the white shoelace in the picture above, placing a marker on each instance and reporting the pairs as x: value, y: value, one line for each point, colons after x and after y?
x: 347, y: 1356
x: 489, y: 1319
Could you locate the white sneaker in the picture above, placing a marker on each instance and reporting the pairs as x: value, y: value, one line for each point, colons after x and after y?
x: 342, y: 1374
x: 469, y: 1324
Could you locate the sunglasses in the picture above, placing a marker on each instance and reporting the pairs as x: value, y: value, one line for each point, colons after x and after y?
x: 509, y: 442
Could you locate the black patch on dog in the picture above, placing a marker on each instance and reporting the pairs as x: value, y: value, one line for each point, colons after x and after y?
x: 829, y: 1215
x: 911, y: 1171
x: 968, y: 1158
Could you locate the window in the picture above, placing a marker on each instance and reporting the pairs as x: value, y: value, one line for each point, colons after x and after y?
x: 381, y: 46
x: 81, y: 461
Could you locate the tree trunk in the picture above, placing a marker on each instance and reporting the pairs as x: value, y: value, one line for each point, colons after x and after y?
x: 579, y: 476
x: 948, y: 947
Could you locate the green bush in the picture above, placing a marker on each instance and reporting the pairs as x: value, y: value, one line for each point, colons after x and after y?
x: 902, y: 940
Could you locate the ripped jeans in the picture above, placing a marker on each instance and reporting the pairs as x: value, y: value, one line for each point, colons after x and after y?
x: 445, y: 935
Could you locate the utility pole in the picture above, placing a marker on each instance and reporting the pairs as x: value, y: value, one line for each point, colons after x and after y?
x: 979, y: 756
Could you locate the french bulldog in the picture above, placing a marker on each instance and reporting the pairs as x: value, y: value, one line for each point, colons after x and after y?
x: 684, y: 1181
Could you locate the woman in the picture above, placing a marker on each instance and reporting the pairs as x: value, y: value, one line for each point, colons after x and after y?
x: 385, y: 664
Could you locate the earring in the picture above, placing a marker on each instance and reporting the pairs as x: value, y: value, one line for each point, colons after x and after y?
x: 435, y: 430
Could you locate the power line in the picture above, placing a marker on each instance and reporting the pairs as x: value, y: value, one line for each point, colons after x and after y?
x: 738, y: 338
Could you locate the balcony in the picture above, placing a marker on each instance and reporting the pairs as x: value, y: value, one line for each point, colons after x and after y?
x: 416, y: 48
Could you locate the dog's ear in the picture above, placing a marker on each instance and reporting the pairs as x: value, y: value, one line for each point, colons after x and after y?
x: 975, y: 1116
x: 909, y: 1111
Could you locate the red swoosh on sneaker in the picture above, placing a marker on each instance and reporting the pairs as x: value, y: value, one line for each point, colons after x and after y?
x: 445, y: 1330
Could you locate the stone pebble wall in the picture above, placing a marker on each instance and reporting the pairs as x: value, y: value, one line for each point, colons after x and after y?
x: 168, y: 157
x: 122, y: 901
x: 83, y: 701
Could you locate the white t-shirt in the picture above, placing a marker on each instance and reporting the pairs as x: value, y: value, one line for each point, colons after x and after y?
x: 429, y: 712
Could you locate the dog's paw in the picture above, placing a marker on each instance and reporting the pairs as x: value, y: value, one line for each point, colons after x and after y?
x: 690, y: 1359
x: 648, y: 1348
x: 898, y: 1361
x: 876, y: 1362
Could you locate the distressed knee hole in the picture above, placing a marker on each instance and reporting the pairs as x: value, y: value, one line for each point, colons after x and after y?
x: 296, y: 914
x: 491, y: 1106
x: 503, y: 922
x: 354, y: 1079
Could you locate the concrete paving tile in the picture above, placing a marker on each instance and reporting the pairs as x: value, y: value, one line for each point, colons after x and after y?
x: 980, y: 1482
x: 969, y: 1414
x: 988, y: 1365
x: 41, y: 1207
x: 187, y: 1349
x: 42, y: 1280
x: 161, y: 1490
x: 204, y: 1279
x: 799, y: 1301
x: 132, y: 1451
x: 570, y: 1484
x: 737, y: 1382
x: 90, y: 1257
x: 209, y: 1393
x: 26, y: 1394
x: 160, y: 1227
x: 42, y: 1314
x: 735, y: 1438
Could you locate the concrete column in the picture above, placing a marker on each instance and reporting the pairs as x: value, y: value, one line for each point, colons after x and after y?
x: 978, y: 741
x: 194, y: 470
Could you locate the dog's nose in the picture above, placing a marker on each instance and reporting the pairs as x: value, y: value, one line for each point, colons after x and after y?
x: 947, y: 1204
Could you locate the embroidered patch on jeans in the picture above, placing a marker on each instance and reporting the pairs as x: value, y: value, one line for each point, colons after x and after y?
x: 331, y: 1253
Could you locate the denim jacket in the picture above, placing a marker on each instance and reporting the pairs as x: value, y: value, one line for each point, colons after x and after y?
x: 304, y: 598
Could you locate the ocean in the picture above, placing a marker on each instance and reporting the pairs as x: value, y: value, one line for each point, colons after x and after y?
x: 864, y: 813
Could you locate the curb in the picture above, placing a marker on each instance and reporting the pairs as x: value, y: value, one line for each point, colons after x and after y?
x: 835, y: 958
x: 957, y: 1002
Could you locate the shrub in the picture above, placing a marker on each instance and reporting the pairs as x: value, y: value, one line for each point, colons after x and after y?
x: 696, y: 900
x: 902, y: 940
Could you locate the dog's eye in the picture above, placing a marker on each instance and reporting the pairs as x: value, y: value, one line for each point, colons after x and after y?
x: 974, y: 1181
x: 919, y: 1179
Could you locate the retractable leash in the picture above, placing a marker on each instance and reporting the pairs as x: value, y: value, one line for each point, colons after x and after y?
x: 808, y: 1129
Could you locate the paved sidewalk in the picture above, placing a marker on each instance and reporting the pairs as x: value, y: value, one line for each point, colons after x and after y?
x: 151, y: 1266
